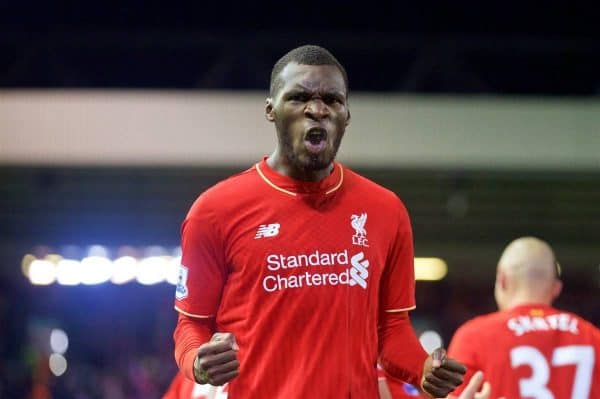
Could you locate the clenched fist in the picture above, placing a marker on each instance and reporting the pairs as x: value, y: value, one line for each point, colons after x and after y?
x: 441, y: 375
x: 216, y: 361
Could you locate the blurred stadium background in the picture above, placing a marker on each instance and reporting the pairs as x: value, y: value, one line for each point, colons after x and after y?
x: 484, y: 119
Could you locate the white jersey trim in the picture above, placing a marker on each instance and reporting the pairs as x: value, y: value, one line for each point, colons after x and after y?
x: 339, y: 183
x: 400, y: 310
x: 198, y: 316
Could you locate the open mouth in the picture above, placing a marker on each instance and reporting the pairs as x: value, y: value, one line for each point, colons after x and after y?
x: 315, y: 136
x: 316, y: 140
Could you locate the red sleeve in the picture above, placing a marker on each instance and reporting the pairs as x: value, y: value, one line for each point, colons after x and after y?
x: 201, y: 278
x: 180, y: 388
x: 398, y: 281
x: 203, y: 270
x: 462, y: 348
x: 189, y: 334
x: 400, y: 352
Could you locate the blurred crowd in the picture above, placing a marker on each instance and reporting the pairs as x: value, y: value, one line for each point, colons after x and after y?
x: 120, y: 344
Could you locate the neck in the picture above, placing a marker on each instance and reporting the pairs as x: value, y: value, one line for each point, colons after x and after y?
x: 527, y: 299
x: 281, y: 165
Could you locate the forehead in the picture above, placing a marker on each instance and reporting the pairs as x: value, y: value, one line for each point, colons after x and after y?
x: 323, y: 77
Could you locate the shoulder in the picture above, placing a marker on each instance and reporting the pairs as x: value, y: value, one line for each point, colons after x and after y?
x: 466, y: 340
x: 584, y: 325
x: 475, y: 334
x: 225, y: 192
x: 480, y: 324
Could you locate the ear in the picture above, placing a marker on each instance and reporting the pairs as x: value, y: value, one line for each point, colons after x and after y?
x: 348, y: 117
x: 501, y: 280
x: 556, y: 289
x: 269, y: 112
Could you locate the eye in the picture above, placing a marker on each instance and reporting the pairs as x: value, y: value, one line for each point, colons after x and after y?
x: 332, y: 99
x: 300, y: 97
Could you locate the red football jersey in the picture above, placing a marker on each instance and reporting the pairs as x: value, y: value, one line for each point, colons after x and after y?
x: 298, y: 272
x: 400, y: 389
x: 531, y: 351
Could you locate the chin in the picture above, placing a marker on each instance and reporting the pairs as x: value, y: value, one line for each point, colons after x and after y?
x: 308, y: 162
x: 317, y: 162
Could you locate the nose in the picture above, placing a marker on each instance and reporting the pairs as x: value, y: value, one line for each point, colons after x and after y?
x: 316, y: 109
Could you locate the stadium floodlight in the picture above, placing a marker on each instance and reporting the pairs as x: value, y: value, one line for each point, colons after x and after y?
x: 430, y: 269
x: 173, y: 269
x: 152, y: 270
x: 42, y: 272
x: 58, y: 364
x: 155, y: 250
x: 176, y: 251
x: 26, y: 264
x: 59, y: 341
x: 150, y: 265
x: 124, y: 270
x: 96, y: 270
x: 97, y: 250
x: 68, y: 272
x: 430, y: 340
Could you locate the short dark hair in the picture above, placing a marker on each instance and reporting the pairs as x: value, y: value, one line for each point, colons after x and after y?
x: 304, y: 55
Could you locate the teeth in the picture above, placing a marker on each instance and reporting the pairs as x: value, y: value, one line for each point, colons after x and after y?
x: 315, y: 136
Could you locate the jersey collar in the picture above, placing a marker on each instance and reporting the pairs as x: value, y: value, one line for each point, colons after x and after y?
x: 294, y: 187
x: 535, y: 309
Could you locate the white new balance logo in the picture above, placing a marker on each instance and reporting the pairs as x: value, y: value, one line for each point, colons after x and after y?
x: 358, y: 271
x: 267, y: 230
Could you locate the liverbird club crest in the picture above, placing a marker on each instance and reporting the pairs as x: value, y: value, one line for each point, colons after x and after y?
x: 360, y: 235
